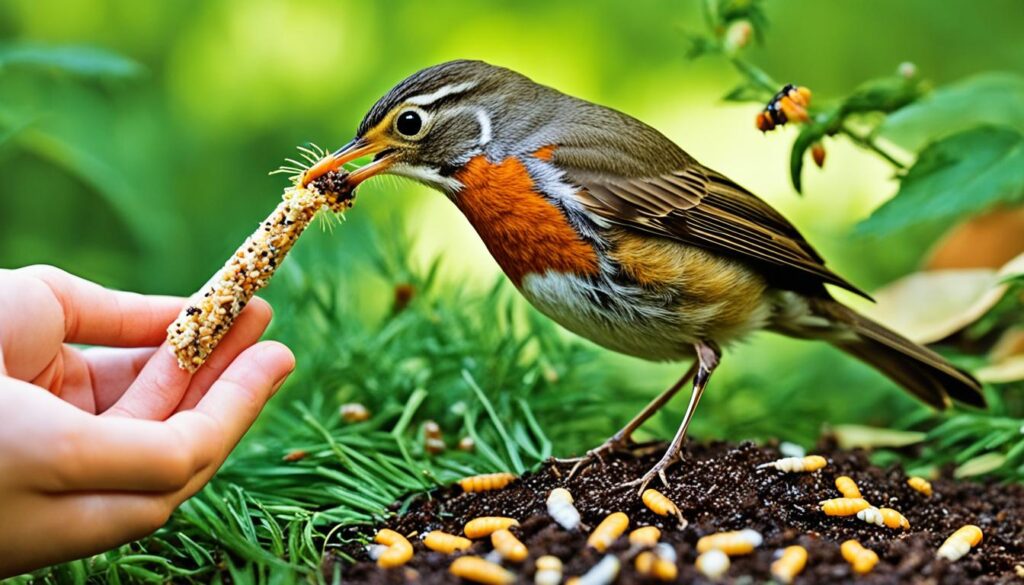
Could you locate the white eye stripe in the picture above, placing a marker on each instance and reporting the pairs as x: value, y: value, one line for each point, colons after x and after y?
x: 485, y: 126
x: 429, y: 98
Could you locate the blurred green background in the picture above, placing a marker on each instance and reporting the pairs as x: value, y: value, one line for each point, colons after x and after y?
x: 146, y: 173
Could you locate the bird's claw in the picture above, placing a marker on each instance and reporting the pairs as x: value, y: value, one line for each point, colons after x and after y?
x: 612, y: 445
x: 657, y: 471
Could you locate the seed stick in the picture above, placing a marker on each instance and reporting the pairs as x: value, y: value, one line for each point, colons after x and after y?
x: 210, y: 312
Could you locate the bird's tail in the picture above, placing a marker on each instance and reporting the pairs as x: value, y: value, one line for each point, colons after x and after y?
x: 920, y: 370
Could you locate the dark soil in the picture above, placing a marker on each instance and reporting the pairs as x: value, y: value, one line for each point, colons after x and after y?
x: 718, y: 488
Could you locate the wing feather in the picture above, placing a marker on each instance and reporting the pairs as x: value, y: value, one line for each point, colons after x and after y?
x: 701, y: 207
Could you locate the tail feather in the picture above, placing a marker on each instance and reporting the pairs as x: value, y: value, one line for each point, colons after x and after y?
x: 926, y: 374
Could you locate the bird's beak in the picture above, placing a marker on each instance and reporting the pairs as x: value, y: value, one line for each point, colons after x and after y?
x: 358, y: 148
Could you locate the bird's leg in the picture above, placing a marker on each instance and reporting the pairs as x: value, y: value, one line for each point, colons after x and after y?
x: 621, y: 439
x: 707, y: 360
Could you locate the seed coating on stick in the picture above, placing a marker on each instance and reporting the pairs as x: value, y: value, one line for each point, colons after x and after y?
x: 443, y: 542
x: 861, y: 559
x: 211, y: 311
x: 486, y: 482
x: 790, y: 564
x: 960, y: 543
x: 562, y: 510
x: 843, y: 506
x: 608, y: 531
x: 485, y: 525
x: 479, y: 570
x: 796, y: 464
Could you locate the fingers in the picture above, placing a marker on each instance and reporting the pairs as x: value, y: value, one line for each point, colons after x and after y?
x: 229, y: 408
x: 246, y: 331
x: 98, y: 316
x: 156, y: 391
x: 112, y: 371
x: 45, y: 529
x: 162, y: 385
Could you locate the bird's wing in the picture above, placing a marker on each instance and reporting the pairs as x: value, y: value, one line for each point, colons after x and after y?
x: 700, y: 207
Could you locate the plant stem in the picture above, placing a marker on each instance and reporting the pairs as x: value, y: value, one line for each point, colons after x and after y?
x: 870, y: 144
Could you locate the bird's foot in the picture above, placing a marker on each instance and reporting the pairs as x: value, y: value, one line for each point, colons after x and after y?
x: 615, y: 444
x: 658, y: 471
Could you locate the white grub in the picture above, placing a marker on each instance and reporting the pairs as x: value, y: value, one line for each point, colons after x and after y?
x: 210, y: 312
x: 713, y: 564
x: 562, y: 510
x: 375, y: 550
x: 549, y: 571
x: 871, y: 515
x: 603, y: 573
x: 808, y: 464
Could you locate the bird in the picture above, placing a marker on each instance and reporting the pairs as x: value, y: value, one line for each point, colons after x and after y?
x: 612, y: 230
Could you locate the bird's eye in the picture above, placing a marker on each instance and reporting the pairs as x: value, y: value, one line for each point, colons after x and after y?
x: 409, y: 123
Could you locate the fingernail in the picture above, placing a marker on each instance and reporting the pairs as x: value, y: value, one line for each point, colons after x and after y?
x: 280, y: 382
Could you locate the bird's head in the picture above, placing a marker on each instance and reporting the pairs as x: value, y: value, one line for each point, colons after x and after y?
x: 433, y: 122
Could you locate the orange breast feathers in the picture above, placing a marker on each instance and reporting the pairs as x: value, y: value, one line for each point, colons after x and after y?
x: 521, y: 229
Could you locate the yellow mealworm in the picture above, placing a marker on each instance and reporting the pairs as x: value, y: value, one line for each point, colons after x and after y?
x: 960, y: 543
x: 790, y: 564
x: 549, y: 571
x: 713, y: 564
x: 848, y: 487
x: 486, y: 482
x: 861, y: 559
x: 796, y: 464
x: 883, y: 517
x: 481, y: 571
x: 399, y: 549
x: 843, y: 506
x: 921, y: 484
x: 485, y: 525
x: 443, y: 542
x: 608, y: 531
x: 561, y: 509
x: 646, y: 536
x: 734, y: 543
x: 660, y: 504
x: 659, y: 564
x: 508, y: 546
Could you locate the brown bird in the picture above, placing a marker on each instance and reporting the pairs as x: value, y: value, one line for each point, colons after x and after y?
x: 609, y: 228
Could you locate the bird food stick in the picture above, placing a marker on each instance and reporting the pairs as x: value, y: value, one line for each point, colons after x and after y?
x: 209, y: 314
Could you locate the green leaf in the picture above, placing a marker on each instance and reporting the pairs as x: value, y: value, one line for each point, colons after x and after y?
x: 987, y: 99
x: 855, y: 436
x: 962, y: 174
x: 747, y: 92
x: 78, y: 60
x: 980, y: 465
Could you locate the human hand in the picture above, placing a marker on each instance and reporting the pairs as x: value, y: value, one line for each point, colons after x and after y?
x: 99, y: 446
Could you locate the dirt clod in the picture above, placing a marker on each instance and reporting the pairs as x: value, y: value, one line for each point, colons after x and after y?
x: 718, y: 487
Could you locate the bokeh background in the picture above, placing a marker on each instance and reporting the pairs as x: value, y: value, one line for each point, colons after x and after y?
x: 146, y: 175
